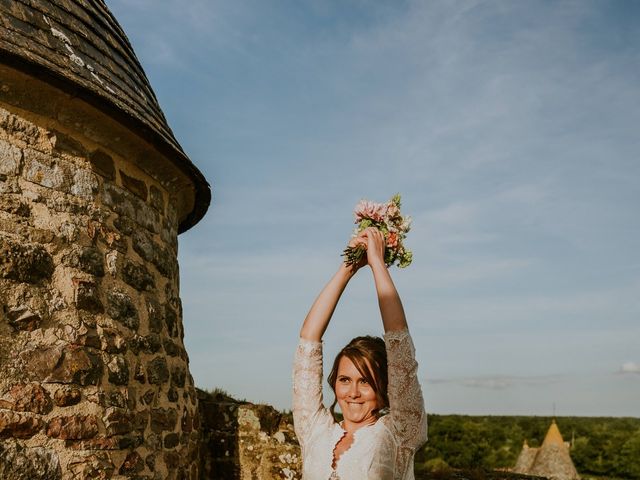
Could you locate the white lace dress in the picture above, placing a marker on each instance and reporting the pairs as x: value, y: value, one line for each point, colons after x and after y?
x: 382, y: 451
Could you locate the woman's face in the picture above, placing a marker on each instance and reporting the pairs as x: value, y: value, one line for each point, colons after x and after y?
x: 356, y: 397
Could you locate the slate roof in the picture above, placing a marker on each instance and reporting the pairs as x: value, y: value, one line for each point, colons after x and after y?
x: 78, y: 46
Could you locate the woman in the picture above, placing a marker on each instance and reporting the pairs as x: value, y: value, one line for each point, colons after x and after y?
x: 369, y: 443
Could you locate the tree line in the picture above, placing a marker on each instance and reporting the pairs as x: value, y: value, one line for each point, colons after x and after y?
x: 600, y: 446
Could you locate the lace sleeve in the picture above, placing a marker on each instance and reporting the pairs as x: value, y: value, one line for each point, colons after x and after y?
x: 307, y: 387
x: 408, y: 416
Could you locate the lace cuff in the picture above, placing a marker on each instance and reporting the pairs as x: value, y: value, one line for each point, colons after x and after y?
x: 310, y: 346
x: 394, y: 336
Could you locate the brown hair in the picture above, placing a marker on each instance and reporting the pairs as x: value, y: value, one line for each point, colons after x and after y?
x: 369, y: 355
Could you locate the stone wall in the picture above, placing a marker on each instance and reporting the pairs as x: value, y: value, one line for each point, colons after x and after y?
x: 245, y: 441
x: 94, y: 379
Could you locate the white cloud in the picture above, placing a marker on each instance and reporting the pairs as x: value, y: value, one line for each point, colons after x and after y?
x: 474, y: 271
x: 606, y: 309
x: 630, y: 367
x: 454, y: 214
x: 499, y: 382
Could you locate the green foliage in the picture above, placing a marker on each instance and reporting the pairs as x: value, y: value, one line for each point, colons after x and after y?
x: 628, y: 463
x: 366, y: 223
x: 436, y: 465
x: 406, y: 259
x: 606, y: 447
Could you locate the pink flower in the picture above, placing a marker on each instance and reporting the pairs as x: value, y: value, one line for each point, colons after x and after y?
x: 392, y: 210
x: 392, y: 240
x: 371, y: 210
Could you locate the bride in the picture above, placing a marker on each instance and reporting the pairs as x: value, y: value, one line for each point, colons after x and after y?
x: 374, y: 382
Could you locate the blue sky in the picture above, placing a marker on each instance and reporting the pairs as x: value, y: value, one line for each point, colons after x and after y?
x: 511, y: 130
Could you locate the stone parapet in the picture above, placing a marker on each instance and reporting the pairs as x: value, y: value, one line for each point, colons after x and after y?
x: 245, y: 441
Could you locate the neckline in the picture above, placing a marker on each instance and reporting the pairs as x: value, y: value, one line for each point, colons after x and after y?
x: 340, y: 424
x: 338, y: 461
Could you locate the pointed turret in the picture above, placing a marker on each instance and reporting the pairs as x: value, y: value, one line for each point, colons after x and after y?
x: 525, y: 459
x: 551, y: 460
x: 553, y: 436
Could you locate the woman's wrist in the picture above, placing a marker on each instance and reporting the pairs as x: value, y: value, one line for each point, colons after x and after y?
x: 378, y: 265
x: 346, y: 271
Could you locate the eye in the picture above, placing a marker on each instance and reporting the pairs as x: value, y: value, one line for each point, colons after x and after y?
x: 364, y: 381
x: 344, y: 379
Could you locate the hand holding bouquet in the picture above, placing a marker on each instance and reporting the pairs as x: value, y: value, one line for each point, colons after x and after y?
x: 387, y: 218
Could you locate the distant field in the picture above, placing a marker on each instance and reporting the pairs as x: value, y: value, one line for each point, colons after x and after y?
x: 602, y: 447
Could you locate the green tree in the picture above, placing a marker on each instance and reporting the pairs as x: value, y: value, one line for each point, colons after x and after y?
x: 628, y: 464
x: 606, y: 447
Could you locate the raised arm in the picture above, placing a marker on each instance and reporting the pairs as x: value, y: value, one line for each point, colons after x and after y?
x: 307, y: 368
x: 321, y: 311
x: 407, y: 413
x: 391, y: 310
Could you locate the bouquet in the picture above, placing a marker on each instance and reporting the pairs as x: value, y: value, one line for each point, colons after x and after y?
x: 387, y: 218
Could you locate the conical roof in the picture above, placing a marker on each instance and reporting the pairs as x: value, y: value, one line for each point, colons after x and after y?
x: 552, y: 460
x: 78, y: 46
x: 525, y: 459
x: 553, y: 436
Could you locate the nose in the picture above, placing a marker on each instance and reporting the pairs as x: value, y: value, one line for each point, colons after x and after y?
x: 354, y: 391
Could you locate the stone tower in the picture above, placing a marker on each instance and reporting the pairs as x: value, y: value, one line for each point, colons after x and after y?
x: 552, y: 460
x: 94, y: 189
